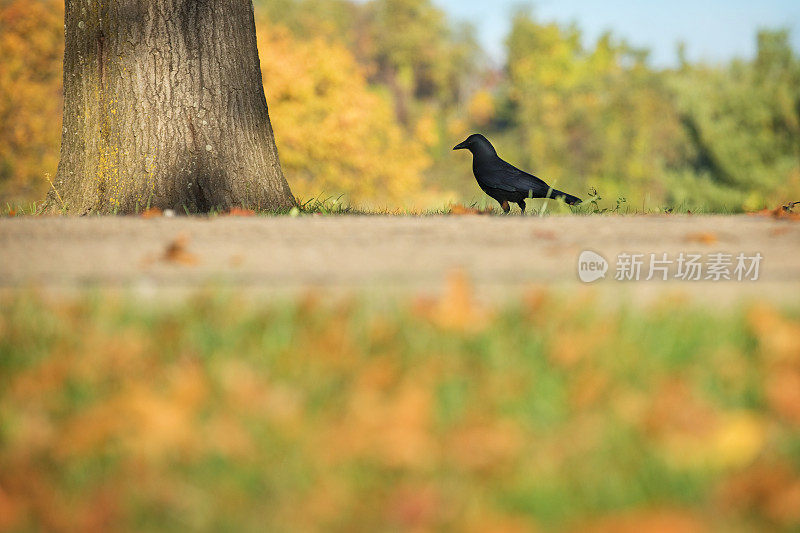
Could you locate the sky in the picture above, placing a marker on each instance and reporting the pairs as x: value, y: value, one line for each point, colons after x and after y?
x: 713, y: 30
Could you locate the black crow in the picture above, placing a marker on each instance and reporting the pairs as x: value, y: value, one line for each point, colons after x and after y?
x: 503, y: 181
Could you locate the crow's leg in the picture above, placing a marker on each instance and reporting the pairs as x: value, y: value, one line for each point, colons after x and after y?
x: 521, y: 205
x: 504, y: 205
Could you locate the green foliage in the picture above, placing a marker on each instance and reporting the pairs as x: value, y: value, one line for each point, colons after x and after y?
x: 700, y: 136
x: 596, y: 114
x: 743, y: 121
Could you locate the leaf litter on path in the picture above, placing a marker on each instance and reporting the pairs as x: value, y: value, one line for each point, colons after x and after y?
x: 176, y: 252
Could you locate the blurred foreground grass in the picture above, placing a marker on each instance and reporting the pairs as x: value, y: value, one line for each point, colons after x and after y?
x: 218, y: 413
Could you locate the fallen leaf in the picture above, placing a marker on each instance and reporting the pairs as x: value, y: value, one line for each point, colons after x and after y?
x: 545, y: 235
x: 655, y: 521
x: 489, y: 522
x: 784, y: 212
x: 457, y: 308
x: 779, y: 231
x: 483, y: 446
x: 705, y: 237
x: 677, y: 414
x: 413, y: 507
x: 771, y: 489
x: 783, y: 392
x: 176, y: 252
x: 460, y: 209
x: 737, y: 440
x: 240, y: 212
x: 12, y: 511
x: 784, y: 507
x: 153, y: 212
x: 778, y: 337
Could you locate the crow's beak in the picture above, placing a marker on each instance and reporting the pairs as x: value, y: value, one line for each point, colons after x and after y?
x: 461, y: 146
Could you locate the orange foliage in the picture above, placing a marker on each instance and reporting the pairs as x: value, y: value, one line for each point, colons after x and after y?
x: 31, y: 48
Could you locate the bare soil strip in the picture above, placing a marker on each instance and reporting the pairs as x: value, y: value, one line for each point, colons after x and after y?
x: 501, y: 255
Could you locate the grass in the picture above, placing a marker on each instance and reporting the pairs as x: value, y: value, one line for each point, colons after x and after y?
x: 335, y: 207
x: 217, y: 413
x: 20, y: 209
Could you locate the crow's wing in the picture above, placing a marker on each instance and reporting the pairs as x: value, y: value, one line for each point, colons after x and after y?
x: 507, y: 177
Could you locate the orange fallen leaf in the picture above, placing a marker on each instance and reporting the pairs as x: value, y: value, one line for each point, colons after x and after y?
x: 176, y: 252
x: 778, y: 337
x: 545, y: 235
x: 653, y: 521
x: 705, y: 237
x: 153, y: 212
x: 414, y: 507
x: 457, y: 308
x: 779, y: 231
x: 783, y: 393
x: 771, y: 489
x: 240, y: 212
x: 460, y: 209
x: 12, y: 511
x: 783, y: 212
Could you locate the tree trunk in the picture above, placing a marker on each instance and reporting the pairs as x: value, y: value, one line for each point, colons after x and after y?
x: 164, y: 107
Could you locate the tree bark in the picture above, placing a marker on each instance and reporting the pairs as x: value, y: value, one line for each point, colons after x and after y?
x: 164, y: 107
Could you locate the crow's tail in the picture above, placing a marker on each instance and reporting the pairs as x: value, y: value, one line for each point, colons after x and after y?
x: 571, y: 200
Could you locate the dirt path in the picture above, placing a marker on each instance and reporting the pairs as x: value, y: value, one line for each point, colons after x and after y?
x: 502, y: 255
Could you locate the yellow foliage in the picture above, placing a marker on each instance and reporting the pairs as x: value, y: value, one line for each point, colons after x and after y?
x: 481, y: 108
x: 426, y: 131
x: 334, y: 134
x: 31, y: 51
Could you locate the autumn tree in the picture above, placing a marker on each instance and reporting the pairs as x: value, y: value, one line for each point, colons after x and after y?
x: 336, y: 135
x: 164, y: 106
